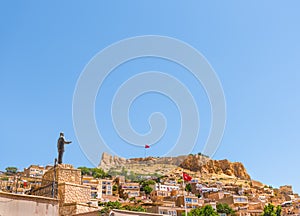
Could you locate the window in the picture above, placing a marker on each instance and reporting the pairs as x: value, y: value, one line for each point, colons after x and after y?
x: 188, y: 200
x: 240, y: 199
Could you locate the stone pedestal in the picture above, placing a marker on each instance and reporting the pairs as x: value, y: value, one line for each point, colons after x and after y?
x: 68, y: 188
x: 63, y: 173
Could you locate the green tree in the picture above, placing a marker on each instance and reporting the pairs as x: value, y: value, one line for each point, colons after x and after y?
x: 145, y: 186
x: 270, y: 210
x: 204, y: 211
x: 278, y: 211
x: 188, y: 187
x: 145, y: 183
x: 99, y: 173
x: 12, y: 170
x: 131, y: 199
x: 134, y: 208
x: 225, y: 208
x: 95, y: 172
x: 85, y: 170
x: 107, y: 206
x: 115, y: 188
x: 148, y: 189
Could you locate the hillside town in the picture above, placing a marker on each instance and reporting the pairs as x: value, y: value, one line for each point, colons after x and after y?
x: 61, y: 189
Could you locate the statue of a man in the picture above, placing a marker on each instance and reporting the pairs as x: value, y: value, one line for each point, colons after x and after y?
x: 61, y: 146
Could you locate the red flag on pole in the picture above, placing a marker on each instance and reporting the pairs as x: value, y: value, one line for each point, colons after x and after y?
x: 147, y: 146
x: 186, y: 177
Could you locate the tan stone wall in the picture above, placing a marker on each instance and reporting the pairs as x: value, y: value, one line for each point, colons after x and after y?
x: 70, y: 193
x: 75, y: 208
x: 25, y: 205
x: 64, y: 173
x: 215, y: 195
x: 45, y: 191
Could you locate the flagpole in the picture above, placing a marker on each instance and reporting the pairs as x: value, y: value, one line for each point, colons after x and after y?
x: 185, y: 210
x: 146, y: 147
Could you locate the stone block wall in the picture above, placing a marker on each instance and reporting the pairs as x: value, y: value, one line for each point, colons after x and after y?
x: 45, y: 191
x: 70, y: 193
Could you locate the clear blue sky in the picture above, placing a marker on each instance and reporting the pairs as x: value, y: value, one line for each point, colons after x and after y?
x: 252, y: 45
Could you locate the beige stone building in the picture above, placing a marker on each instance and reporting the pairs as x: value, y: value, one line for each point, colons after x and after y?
x: 128, y: 190
x: 106, y: 186
x: 236, y: 202
x: 100, y: 188
x: 35, y: 171
x: 94, y: 185
x: 156, y: 195
x: 190, y: 201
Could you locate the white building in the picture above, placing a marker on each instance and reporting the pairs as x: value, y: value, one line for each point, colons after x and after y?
x: 165, y: 187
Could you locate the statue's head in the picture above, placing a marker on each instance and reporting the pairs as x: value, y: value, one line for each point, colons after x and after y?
x: 61, y: 134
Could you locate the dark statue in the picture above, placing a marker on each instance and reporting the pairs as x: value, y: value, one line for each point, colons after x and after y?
x: 61, y: 146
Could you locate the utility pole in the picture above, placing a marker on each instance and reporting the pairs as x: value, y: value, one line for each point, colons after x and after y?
x: 54, y: 178
x: 17, y: 181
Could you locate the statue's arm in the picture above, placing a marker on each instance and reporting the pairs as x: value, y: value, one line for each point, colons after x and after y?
x: 68, y: 142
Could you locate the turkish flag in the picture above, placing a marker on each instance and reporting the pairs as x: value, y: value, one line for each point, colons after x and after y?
x: 147, y: 146
x: 186, y: 177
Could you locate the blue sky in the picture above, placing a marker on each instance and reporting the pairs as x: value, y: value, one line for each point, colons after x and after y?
x: 253, y: 46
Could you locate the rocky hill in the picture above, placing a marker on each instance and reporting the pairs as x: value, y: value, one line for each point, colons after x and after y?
x: 219, y: 167
x: 165, y: 165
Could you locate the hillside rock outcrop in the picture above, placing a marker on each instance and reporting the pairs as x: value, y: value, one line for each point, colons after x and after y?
x: 195, y: 163
x: 206, y: 166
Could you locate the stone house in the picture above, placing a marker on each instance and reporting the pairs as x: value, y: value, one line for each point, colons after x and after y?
x: 99, y: 187
x: 35, y: 171
x: 190, y: 201
x: 236, y: 202
x: 129, y: 189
